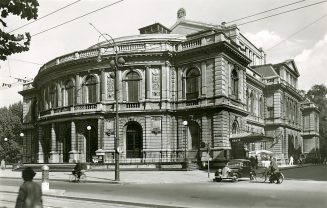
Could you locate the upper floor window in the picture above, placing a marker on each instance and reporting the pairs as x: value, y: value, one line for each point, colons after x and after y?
x: 234, y: 84
x: 53, y: 97
x: 234, y: 127
x: 69, y: 93
x: 192, y: 84
x: 133, y: 85
x: 90, y: 92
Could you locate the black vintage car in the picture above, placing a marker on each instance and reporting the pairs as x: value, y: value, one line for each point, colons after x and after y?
x: 241, y: 167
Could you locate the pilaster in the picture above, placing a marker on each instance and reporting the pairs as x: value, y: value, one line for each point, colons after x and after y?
x: 54, y: 156
x: 40, y: 153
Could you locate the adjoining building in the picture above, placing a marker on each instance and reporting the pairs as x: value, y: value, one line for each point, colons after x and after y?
x: 208, y: 75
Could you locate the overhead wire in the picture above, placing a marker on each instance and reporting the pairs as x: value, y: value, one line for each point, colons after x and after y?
x: 21, y: 60
x: 287, y: 11
x: 38, y: 19
x: 296, y: 32
x: 269, y: 10
x: 61, y: 24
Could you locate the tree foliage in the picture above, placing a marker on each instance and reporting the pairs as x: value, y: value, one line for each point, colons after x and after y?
x: 11, y: 43
x: 10, y: 128
x: 318, y: 94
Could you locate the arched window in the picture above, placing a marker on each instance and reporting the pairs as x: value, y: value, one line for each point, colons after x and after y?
x: 90, y: 93
x: 234, y: 84
x: 234, y: 127
x: 69, y: 93
x: 133, y: 80
x: 53, y: 97
x: 192, y: 84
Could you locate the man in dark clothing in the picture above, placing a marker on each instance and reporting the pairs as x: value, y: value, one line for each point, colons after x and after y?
x: 30, y: 193
x: 78, y: 170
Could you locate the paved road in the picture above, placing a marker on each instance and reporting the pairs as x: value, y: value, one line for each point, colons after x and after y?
x: 303, y: 187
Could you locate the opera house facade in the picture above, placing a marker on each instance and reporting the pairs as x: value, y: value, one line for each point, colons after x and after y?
x: 182, y: 92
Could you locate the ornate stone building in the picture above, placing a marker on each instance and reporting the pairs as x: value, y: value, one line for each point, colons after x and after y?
x: 208, y: 75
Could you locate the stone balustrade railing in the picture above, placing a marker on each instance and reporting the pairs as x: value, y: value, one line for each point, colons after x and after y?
x: 89, y: 53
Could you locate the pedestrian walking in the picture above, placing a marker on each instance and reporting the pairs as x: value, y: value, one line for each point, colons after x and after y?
x: 291, y: 160
x: 3, y: 164
x: 30, y: 192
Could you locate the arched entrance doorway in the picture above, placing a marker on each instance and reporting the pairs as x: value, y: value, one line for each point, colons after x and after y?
x: 134, y: 143
x: 194, y: 137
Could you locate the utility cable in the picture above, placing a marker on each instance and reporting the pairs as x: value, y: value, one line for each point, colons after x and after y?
x: 298, y: 31
x: 68, y: 5
x: 287, y: 11
x: 265, y: 11
x: 108, y: 5
x: 21, y: 60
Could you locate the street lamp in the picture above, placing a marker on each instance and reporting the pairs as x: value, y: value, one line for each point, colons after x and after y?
x: 115, y: 63
x: 89, y: 155
x: 22, y: 146
x: 5, y: 139
x: 185, y: 142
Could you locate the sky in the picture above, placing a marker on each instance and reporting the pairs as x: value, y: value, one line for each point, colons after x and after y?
x: 308, y: 47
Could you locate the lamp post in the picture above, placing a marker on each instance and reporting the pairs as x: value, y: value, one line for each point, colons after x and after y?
x: 22, y: 145
x: 89, y: 131
x: 115, y: 63
x: 185, y: 142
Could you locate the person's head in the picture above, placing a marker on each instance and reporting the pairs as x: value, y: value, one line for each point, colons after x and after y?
x: 28, y: 174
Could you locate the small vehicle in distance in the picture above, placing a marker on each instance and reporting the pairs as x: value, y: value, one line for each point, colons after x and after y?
x: 239, y: 168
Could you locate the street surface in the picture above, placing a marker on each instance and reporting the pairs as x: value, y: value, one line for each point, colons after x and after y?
x: 303, y: 187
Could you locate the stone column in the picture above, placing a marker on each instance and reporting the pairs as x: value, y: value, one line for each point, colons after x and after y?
x: 54, y: 156
x: 148, y: 82
x: 103, y: 85
x: 40, y: 143
x: 100, y: 132
x: 203, y: 78
x: 73, y: 154
x: 78, y: 89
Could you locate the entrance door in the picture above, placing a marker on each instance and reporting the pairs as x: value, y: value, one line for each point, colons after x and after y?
x: 134, y: 144
x: 193, y: 147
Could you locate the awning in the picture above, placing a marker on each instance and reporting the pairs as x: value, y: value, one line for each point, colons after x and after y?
x: 247, y: 137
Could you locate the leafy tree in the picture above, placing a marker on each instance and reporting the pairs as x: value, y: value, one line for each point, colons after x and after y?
x: 10, y: 128
x: 318, y: 94
x: 10, y: 43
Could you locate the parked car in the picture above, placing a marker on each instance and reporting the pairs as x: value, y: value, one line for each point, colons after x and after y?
x: 240, y: 168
